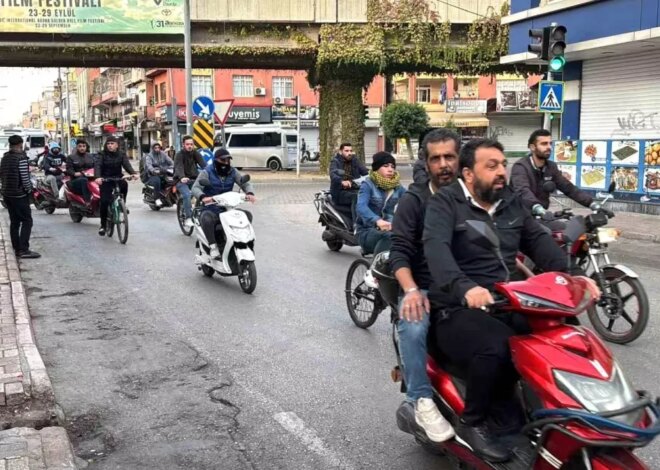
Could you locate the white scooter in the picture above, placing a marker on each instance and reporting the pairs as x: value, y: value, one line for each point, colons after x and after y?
x: 235, y: 241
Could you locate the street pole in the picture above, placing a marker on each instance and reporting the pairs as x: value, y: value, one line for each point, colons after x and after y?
x: 547, y: 122
x: 173, y: 108
x: 298, y: 138
x: 68, y: 114
x: 187, y: 40
x: 61, y: 118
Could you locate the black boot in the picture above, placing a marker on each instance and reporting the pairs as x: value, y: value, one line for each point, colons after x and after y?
x: 482, y: 442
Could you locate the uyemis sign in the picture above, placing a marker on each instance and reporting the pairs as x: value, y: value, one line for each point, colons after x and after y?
x: 92, y: 16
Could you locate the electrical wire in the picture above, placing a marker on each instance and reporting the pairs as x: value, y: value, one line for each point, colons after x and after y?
x: 462, y: 9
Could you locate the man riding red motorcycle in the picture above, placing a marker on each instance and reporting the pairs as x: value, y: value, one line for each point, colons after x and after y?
x: 464, y: 274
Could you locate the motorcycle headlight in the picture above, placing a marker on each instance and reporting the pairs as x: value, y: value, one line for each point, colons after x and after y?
x: 608, y: 235
x: 530, y: 301
x: 599, y: 396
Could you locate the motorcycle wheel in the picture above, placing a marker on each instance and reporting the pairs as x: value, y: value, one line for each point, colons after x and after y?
x: 76, y: 216
x: 154, y: 207
x: 182, y: 219
x: 247, y: 277
x: 364, y: 303
x: 623, y: 291
x: 49, y: 210
x: 208, y: 271
x: 334, y: 245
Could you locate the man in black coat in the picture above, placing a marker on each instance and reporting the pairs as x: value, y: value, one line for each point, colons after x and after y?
x: 344, y: 168
x: 439, y: 154
x: 464, y: 273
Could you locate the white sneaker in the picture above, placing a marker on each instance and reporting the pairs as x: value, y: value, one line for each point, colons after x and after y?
x: 215, y: 253
x: 370, y: 281
x: 188, y: 223
x: 435, y: 425
x: 159, y: 203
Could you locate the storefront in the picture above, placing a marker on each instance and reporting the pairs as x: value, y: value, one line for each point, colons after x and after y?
x: 467, y: 117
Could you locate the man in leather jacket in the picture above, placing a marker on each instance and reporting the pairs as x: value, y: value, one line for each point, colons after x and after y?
x: 186, y: 169
x: 76, y: 165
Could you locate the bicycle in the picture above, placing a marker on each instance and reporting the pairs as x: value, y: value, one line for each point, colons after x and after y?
x: 181, y: 215
x: 117, y: 212
x: 363, y: 300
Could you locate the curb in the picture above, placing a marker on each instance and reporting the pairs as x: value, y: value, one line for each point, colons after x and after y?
x: 648, y: 237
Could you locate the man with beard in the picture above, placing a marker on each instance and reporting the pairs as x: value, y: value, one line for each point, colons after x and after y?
x: 186, y: 169
x: 529, y: 174
x: 463, y: 274
x: 439, y: 153
x: 217, y: 178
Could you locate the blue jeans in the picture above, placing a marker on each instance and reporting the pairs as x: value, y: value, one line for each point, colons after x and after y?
x: 412, y: 347
x: 154, y: 182
x: 184, y: 190
x: 373, y: 241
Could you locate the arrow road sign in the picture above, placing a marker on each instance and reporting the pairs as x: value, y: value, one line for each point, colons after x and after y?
x: 222, y: 108
x: 207, y: 154
x: 203, y: 134
x: 551, y: 96
x: 203, y: 107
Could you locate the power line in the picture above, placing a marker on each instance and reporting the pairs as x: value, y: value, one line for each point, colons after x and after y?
x: 462, y: 9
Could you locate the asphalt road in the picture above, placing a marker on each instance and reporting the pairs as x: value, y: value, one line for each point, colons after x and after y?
x: 157, y: 366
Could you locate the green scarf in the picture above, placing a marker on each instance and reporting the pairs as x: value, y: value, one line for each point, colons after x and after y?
x: 386, y: 184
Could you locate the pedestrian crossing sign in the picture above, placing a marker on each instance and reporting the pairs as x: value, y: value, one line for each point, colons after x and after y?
x: 551, y: 96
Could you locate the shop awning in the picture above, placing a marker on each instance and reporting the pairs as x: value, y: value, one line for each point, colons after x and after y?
x: 458, y: 119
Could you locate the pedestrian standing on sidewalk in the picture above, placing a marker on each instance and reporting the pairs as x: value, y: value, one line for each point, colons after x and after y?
x: 16, y: 189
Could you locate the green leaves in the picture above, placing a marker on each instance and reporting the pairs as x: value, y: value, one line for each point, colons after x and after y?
x: 404, y: 120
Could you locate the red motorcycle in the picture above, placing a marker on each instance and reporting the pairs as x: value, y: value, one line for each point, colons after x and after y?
x: 574, y: 409
x: 43, y: 197
x: 78, y: 208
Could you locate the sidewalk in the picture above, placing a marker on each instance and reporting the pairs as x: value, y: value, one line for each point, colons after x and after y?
x: 26, y: 393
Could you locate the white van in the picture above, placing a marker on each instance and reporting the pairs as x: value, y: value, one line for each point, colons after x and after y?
x: 260, y: 146
x: 35, y: 141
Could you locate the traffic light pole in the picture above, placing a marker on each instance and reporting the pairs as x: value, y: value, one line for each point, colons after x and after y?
x: 547, y: 122
x: 298, y: 138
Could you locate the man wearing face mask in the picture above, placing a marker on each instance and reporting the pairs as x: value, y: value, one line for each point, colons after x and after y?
x: 52, y: 166
x: 463, y: 275
x: 217, y: 178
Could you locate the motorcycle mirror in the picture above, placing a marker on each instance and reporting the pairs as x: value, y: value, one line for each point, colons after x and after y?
x: 481, y: 234
x: 575, y: 228
x: 245, y: 179
x: 612, y: 187
x: 549, y: 187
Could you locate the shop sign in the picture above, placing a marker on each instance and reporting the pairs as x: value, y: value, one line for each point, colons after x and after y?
x: 250, y: 115
x: 467, y: 106
x: 515, y: 95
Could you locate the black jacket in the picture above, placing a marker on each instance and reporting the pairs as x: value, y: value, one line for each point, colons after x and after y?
x: 419, y: 171
x: 76, y: 163
x: 53, y: 162
x: 457, y: 265
x: 15, y: 174
x: 407, y: 249
x: 109, y: 165
x: 357, y: 169
x: 186, y: 163
x: 528, y: 181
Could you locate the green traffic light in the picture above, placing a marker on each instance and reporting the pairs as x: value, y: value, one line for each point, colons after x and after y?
x: 557, y: 63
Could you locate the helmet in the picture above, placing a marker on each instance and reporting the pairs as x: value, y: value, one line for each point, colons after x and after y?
x: 54, y: 145
x: 387, y: 283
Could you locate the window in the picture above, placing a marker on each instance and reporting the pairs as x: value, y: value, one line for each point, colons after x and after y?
x: 245, y: 140
x: 424, y: 94
x: 271, y: 139
x: 291, y: 139
x: 242, y: 85
x: 282, y: 87
x: 163, y: 92
x: 202, y: 86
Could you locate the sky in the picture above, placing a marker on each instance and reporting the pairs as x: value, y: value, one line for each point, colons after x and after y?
x: 19, y: 87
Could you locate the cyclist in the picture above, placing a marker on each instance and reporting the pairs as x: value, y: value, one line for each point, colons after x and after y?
x: 109, y: 163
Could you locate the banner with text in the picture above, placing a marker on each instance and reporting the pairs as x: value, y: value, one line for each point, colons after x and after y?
x: 92, y: 16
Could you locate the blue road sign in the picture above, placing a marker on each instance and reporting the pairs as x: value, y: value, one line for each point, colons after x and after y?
x: 207, y: 154
x: 551, y: 96
x: 203, y: 107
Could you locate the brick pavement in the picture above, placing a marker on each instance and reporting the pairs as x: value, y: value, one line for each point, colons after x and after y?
x: 26, y: 393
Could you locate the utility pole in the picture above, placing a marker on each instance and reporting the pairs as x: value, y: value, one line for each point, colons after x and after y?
x: 298, y: 137
x: 60, y: 122
x: 187, y: 45
x: 173, y: 110
x: 68, y: 114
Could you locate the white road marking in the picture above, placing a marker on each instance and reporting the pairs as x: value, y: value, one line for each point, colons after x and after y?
x: 293, y: 424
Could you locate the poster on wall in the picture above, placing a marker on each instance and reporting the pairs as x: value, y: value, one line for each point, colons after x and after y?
x: 625, y: 152
x: 569, y: 172
x: 592, y: 177
x: 652, y: 180
x: 626, y: 178
x: 566, y: 151
x: 594, y: 151
x: 652, y: 152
